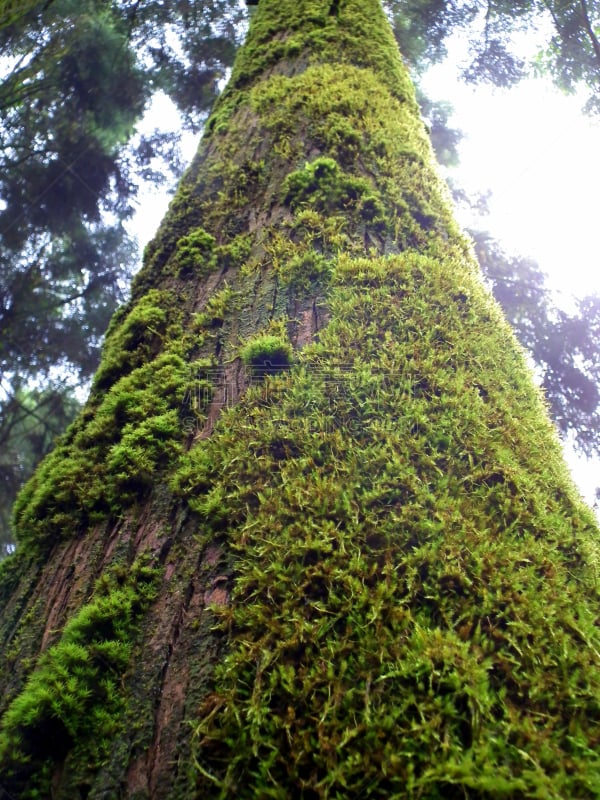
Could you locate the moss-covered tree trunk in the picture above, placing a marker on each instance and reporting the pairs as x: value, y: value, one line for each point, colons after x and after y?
x: 312, y: 535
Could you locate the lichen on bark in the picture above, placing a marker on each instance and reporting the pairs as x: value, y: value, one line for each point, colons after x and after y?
x: 313, y: 423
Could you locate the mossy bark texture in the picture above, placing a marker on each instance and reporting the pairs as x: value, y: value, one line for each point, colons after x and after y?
x: 313, y: 535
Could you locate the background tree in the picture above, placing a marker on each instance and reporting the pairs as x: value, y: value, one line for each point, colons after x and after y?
x: 563, y: 346
x: 312, y: 532
x: 571, y: 55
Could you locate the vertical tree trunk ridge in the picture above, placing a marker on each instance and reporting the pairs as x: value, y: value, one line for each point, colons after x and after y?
x: 312, y: 535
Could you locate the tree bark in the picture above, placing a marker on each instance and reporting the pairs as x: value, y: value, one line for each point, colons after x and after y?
x: 313, y: 534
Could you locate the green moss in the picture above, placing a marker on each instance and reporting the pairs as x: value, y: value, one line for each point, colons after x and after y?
x: 182, y: 216
x: 73, y: 701
x: 382, y: 139
x: 319, y: 231
x: 216, y: 309
x: 372, y: 210
x: 236, y: 253
x: 306, y: 271
x: 109, y: 460
x: 136, y: 339
x: 437, y: 568
x: 132, y: 463
x: 323, y: 185
x: 292, y: 30
x: 267, y: 354
x: 194, y: 254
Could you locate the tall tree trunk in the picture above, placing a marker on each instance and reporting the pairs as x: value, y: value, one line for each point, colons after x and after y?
x: 313, y: 535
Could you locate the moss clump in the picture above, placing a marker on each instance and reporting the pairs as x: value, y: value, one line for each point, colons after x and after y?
x: 323, y: 185
x: 235, y: 253
x: 137, y: 338
x: 371, y: 208
x: 195, y: 254
x: 306, y: 271
x: 73, y: 702
x: 133, y: 462
x: 110, y: 457
x: 267, y: 355
x: 216, y: 309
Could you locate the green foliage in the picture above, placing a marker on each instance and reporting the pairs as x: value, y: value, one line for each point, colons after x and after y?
x: 62, y: 267
x: 444, y: 139
x: 73, y: 700
x: 571, y: 56
x: 89, y: 62
x: 12, y: 11
x: 421, y: 27
x: 98, y: 63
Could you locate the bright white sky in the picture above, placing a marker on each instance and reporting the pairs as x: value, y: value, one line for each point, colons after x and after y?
x: 540, y: 157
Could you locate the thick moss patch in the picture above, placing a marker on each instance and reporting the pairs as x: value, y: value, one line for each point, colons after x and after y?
x: 110, y: 457
x: 267, y: 354
x: 129, y: 433
x: 73, y: 701
x: 195, y: 254
x: 409, y: 616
